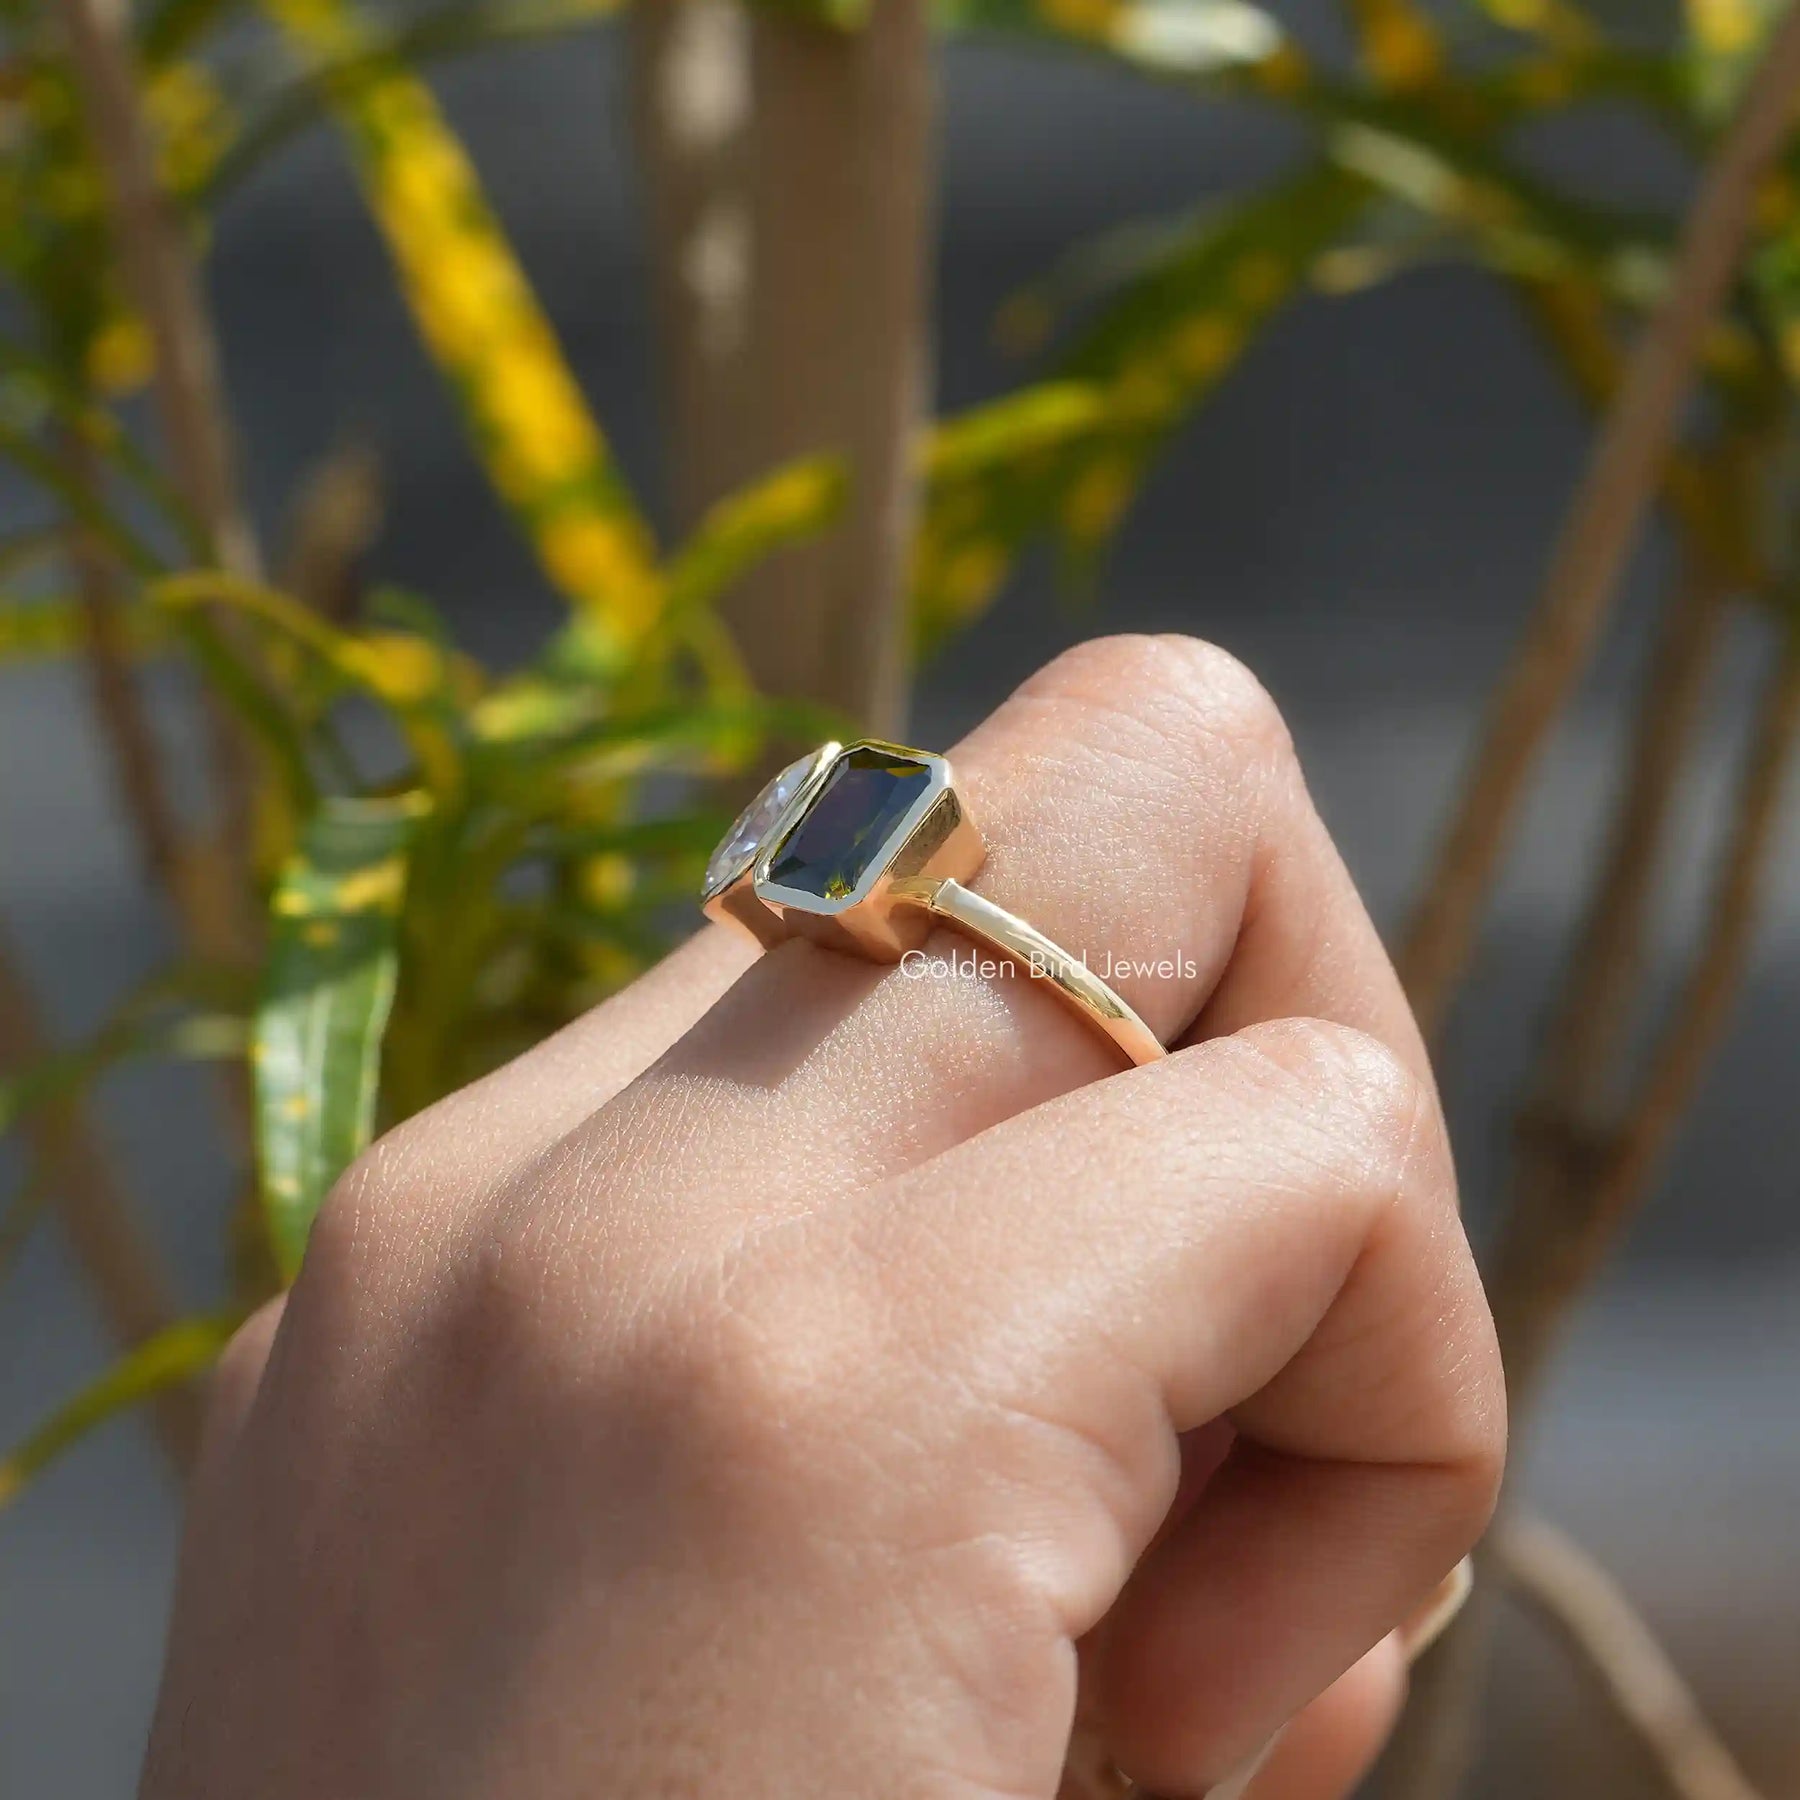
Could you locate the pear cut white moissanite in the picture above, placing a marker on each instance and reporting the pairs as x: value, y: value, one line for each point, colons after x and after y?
x: 738, y: 848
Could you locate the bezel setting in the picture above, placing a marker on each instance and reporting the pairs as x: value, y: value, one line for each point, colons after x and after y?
x: 728, y: 894
x: 934, y: 775
x: 932, y: 838
x: 722, y: 869
x: 859, y: 863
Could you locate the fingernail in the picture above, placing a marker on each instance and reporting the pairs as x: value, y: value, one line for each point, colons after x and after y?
x: 1433, y: 1618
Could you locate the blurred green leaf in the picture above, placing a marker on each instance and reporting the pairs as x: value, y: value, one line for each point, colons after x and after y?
x: 531, y: 735
x: 328, y: 987
x: 38, y: 630
x: 150, y: 1024
x: 411, y: 675
x: 683, y: 835
x: 987, y: 472
x: 23, y: 551
x: 1519, y: 225
x: 1723, y: 40
x: 173, y: 1356
x: 1179, y: 38
x: 1421, y: 134
x: 175, y: 27
x: 79, y: 500
x: 793, y: 504
x: 480, y: 319
x: 1048, y: 416
x: 1398, y: 44
x: 1193, y: 301
x: 297, y: 102
x: 839, y: 15
x: 1557, y: 20
x: 1166, y: 340
x: 1591, y: 69
x: 35, y: 393
x: 263, y: 709
x: 394, y: 667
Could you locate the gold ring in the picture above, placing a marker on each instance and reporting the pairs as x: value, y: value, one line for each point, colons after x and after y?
x: 861, y: 847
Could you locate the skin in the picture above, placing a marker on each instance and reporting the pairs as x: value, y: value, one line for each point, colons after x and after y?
x: 800, y: 1379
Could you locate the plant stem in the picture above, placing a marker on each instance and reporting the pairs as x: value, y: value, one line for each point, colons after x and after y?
x: 118, y: 707
x: 1582, y: 1603
x: 1555, y: 1238
x: 1573, y: 318
x: 196, y: 879
x: 133, y: 1291
x: 1601, y: 527
x: 165, y: 287
x: 164, y: 283
x: 1583, y: 1170
x: 335, y: 518
x: 691, y: 101
x: 1603, y: 973
x: 1564, y: 1129
x: 840, y: 181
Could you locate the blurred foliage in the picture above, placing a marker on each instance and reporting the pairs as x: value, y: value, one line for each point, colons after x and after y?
x: 186, y: 1349
x: 448, y: 861
x: 1420, y: 153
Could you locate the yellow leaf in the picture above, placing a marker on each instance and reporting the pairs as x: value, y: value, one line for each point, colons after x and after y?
x: 607, y: 880
x: 1777, y: 203
x: 1081, y: 18
x: 482, y: 322
x: 1725, y: 27
x: 1399, y: 45
x: 972, y: 574
x: 1259, y: 278
x: 120, y: 355
x: 586, y: 554
x: 401, y: 669
x: 191, y: 122
x: 1790, y: 349
x: 1098, y: 499
x: 1203, y: 346
x: 176, y: 1354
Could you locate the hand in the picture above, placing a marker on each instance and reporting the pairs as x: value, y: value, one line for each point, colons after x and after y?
x: 799, y: 1379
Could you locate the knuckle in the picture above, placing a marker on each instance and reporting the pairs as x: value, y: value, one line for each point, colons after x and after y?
x: 1466, y: 1478
x: 1483, y: 1466
x: 389, y: 1200
x: 337, y: 1247
x: 1400, y: 1140
x: 1457, y: 1404
x: 240, y: 1363
x: 370, y: 1243
x: 1223, y: 694
x: 238, y: 1372
x: 1476, y: 1426
x: 1427, y: 1335
x: 1446, y: 1374
x: 501, y: 1330
x: 1186, y: 689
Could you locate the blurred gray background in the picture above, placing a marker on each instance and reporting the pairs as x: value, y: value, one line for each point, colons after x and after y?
x: 1361, y: 514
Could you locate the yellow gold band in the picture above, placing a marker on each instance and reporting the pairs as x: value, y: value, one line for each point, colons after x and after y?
x: 1043, y: 960
x: 859, y: 847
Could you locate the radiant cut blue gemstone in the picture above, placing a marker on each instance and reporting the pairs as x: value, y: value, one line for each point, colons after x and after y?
x: 846, y: 830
